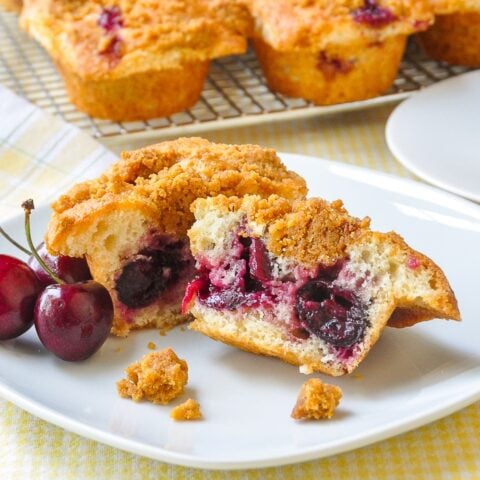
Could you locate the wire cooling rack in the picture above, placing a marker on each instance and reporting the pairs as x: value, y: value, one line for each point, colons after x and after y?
x: 235, y: 92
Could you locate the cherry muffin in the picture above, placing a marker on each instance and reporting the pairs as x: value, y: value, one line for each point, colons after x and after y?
x: 304, y: 281
x: 333, y: 52
x: 455, y: 36
x: 131, y: 223
x: 127, y: 60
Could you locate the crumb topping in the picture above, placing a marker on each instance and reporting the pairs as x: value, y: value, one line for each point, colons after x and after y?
x: 158, y: 377
x: 309, y: 231
x: 189, y: 410
x: 316, y: 400
x: 153, y: 34
x: 443, y: 7
x: 164, y: 179
x: 317, y: 24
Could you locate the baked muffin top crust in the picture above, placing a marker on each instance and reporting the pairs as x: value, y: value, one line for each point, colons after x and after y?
x: 316, y: 24
x: 163, y: 180
x: 114, y: 38
x: 442, y: 7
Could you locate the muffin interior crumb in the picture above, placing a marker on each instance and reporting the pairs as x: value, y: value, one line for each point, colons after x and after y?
x: 158, y: 377
x: 316, y: 400
x: 189, y: 410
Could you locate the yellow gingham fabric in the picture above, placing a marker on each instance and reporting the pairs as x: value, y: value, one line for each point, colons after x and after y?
x: 33, y: 449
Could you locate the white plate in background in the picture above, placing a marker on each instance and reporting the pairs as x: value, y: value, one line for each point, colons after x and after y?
x: 411, y: 376
x: 436, y: 134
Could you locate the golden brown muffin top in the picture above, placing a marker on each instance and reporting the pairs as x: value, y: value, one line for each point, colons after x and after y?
x: 116, y: 37
x: 164, y: 179
x: 316, y: 24
x: 308, y: 231
x: 453, y: 6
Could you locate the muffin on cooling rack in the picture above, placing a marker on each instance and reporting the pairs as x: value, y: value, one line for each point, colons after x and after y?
x: 333, y: 52
x: 11, y: 5
x: 127, y: 60
x: 305, y: 281
x: 455, y: 36
x: 131, y: 223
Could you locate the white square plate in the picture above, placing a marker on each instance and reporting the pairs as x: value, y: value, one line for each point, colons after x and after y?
x: 411, y: 377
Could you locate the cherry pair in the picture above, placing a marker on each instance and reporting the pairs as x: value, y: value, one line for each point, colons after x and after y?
x: 72, y: 313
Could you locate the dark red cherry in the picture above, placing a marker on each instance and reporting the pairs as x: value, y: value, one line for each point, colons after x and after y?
x: 335, y: 315
x: 19, y: 288
x: 373, y: 14
x: 110, y: 19
x: 258, y: 261
x: 69, y: 269
x: 143, y: 280
x: 197, y: 286
x: 74, y: 320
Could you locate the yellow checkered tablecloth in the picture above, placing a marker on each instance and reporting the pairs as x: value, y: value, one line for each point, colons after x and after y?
x: 42, y: 157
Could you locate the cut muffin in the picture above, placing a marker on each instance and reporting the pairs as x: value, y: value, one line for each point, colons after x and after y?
x: 128, y: 60
x: 131, y: 223
x: 332, y: 52
x: 304, y: 281
x: 455, y: 36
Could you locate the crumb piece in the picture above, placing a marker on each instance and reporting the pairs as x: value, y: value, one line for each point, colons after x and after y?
x: 159, y: 377
x: 189, y: 410
x: 306, y: 369
x: 183, y: 329
x: 118, y: 349
x: 316, y: 400
x: 162, y: 332
x: 358, y: 377
x: 151, y: 346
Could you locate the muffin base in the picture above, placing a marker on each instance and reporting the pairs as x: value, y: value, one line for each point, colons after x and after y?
x: 137, y: 97
x: 454, y: 39
x: 335, y: 75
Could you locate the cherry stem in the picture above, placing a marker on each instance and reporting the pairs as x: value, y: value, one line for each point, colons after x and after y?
x: 11, y: 240
x: 28, y: 206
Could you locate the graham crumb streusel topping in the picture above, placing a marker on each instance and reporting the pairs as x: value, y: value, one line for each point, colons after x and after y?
x: 158, y: 377
x: 316, y: 400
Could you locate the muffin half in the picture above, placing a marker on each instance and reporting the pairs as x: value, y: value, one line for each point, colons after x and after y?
x: 304, y: 281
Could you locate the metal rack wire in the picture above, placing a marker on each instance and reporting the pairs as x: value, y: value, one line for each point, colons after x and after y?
x: 235, y: 92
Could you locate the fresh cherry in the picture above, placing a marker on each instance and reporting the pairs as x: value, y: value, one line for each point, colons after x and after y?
x: 74, y: 320
x: 69, y: 269
x: 19, y: 288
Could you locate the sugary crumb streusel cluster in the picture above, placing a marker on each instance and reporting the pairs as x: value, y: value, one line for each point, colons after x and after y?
x: 161, y: 376
x: 188, y: 410
x: 158, y: 377
x: 316, y: 400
